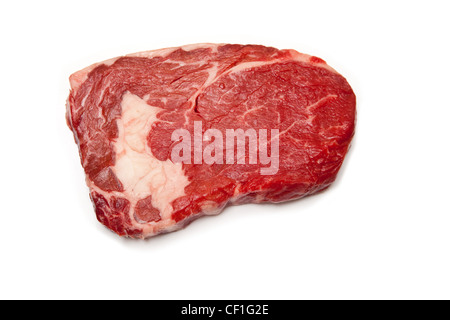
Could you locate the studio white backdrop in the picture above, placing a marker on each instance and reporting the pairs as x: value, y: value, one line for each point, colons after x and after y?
x: 381, y: 231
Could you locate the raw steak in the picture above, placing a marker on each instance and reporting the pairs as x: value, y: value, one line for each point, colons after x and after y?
x: 124, y: 111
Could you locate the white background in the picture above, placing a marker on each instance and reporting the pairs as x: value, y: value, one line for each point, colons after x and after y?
x: 381, y: 231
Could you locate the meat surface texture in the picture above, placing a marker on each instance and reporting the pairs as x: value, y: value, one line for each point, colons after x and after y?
x: 123, y: 113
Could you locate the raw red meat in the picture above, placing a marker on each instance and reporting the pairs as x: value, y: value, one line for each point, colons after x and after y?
x: 123, y: 112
